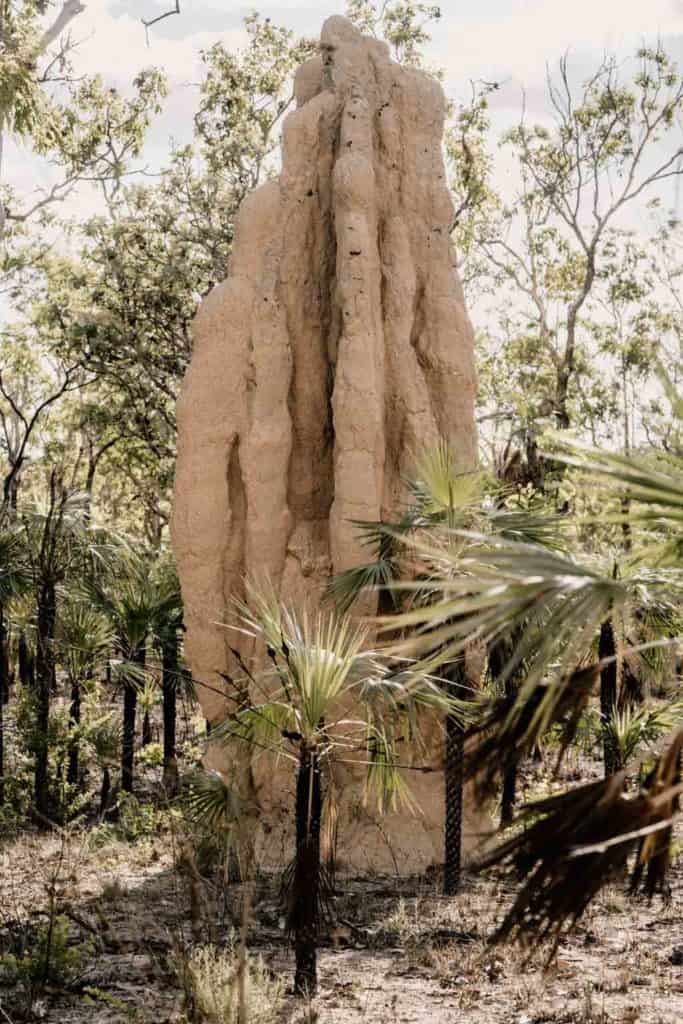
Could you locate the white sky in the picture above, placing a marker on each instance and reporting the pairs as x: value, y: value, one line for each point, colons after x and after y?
x: 509, y: 41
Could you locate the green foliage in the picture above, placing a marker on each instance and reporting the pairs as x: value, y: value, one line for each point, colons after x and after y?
x: 403, y: 23
x: 631, y: 728
x: 51, y: 960
x: 318, y: 664
x: 22, y: 102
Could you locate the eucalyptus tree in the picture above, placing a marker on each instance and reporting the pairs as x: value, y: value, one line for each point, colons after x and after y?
x: 84, y: 128
x: 297, y: 710
x: 404, y: 24
x: 614, y: 143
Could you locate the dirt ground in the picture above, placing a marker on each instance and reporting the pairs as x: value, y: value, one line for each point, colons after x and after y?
x: 400, y: 951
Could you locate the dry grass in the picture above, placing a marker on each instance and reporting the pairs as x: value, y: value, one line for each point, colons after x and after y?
x: 401, y: 952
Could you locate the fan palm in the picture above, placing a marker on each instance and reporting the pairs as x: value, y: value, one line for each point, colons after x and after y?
x: 141, y: 601
x: 442, y: 495
x: 13, y: 581
x: 168, y: 621
x: 560, y: 605
x: 127, y: 599
x: 84, y: 640
x: 322, y: 697
x: 60, y: 543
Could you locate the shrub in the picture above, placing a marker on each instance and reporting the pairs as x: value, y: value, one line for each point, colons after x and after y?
x: 212, y: 979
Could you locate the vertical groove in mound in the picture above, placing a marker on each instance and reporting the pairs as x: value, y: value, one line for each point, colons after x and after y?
x: 337, y: 348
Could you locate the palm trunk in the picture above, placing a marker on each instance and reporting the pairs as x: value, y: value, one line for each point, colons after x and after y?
x: 608, y: 697
x: 169, y: 658
x: 74, y: 722
x: 105, y: 790
x: 44, y: 679
x: 146, y: 729
x: 509, y: 795
x: 130, y: 701
x: 305, y: 903
x: 26, y: 664
x: 454, y: 677
x: 499, y: 656
x: 454, y: 774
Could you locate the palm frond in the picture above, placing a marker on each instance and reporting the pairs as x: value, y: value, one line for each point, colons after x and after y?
x: 316, y: 657
x: 576, y: 842
x: 344, y: 588
x: 498, y: 587
x: 14, y: 569
x: 508, y: 728
x: 442, y: 488
x: 211, y: 802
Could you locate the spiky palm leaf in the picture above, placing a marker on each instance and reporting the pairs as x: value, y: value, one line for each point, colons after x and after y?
x: 211, y: 802
x: 84, y: 639
x: 575, y: 842
x: 319, y: 668
x: 583, y: 837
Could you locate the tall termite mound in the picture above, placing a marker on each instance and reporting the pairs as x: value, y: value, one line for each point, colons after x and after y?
x: 337, y: 348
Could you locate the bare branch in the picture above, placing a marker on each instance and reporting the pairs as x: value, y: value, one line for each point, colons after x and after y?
x: 70, y: 10
x: 160, y: 17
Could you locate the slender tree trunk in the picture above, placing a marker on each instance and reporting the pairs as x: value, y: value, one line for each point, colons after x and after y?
x: 608, y: 697
x: 499, y: 656
x: 146, y: 729
x: 44, y: 679
x: 454, y: 775
x: 105, y: 790
x: 26, y: 664
x: 169, y: 678
x: 509, y: 795
x: 130, y: 701
x: 74, y: 722
x: 305, y: 900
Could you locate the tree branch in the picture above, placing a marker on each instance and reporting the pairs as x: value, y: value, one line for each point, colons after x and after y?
x: 70, y: 10
x: 160, y: 17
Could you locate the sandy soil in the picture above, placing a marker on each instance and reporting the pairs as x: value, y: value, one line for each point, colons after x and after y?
x: 400, y: 951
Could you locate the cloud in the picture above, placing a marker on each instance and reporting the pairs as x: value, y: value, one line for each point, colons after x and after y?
x: 519, y: 38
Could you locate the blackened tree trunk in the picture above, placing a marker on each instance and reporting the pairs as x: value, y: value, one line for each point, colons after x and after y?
x: 130, y: 701
x: 454, y: 776
x: 500, y: 654
x: 43, y: 688
x: 105, y: 790
x: 305, y: 903
x: 26, y: 664
x: 146, y: 729
x: 169, y: 679
x: 74, y: 722
x: 509, y: 794
x: 607, y: 648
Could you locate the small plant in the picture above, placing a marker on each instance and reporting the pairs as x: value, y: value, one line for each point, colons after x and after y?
x: 51, y: 961
x: 631, y: 728
x: 138, y: 820
x: 212, y: 981
x: 152, y: 755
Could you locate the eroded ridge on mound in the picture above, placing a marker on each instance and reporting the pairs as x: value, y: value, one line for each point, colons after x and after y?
x: 338, y: 346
